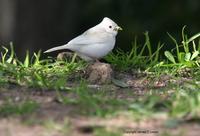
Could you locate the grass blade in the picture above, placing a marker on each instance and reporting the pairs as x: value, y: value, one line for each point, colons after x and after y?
x: 170, y: 57
x: 26, y: 61
x: 193, y: 37
x: 194, y: 55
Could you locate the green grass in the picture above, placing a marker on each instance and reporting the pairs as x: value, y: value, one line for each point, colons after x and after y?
x: 187, y: 95
x: 23, y: 108
x: 140, y: 56
x: 34, y: 72
x: 92, y: 102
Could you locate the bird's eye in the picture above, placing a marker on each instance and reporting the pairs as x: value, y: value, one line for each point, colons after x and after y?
x: 110, y: 26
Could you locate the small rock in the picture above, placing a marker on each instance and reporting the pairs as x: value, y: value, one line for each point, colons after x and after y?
x: 99, y: 73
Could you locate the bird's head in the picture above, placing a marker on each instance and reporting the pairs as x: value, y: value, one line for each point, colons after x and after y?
x: 110, y: 26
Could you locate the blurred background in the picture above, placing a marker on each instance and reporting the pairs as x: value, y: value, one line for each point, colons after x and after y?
x: 41, y: 24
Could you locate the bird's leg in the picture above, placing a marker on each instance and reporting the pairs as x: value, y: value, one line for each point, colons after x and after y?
x: 74, y: 57
x: 97, y: 61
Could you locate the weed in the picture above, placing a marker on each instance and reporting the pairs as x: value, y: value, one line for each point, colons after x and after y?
x: 187, y: 53
x: 136, y: 58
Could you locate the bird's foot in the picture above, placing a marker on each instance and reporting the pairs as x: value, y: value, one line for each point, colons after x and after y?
x: 97, y: 61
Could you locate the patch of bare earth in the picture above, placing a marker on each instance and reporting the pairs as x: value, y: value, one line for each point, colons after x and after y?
x: 84, y: 126
x: 65, y: 119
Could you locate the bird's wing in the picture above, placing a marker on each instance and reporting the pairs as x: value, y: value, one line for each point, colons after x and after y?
x: 89, y: 37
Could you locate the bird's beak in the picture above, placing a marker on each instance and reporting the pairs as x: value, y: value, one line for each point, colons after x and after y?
x: 118, y: 28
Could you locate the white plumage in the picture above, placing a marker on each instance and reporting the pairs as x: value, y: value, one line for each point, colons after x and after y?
x: 94, y: 43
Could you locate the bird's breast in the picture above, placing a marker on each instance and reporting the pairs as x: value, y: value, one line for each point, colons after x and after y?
x: 98, y: 50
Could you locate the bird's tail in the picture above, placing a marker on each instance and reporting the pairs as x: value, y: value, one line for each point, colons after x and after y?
x: 56, y: 48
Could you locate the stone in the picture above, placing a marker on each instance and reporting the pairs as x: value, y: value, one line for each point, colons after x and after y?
x: 99, y: 73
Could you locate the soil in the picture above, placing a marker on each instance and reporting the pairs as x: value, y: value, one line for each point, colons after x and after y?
x: 68, y: 121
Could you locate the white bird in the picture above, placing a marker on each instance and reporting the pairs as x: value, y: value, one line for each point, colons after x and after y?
x: 94, y: 43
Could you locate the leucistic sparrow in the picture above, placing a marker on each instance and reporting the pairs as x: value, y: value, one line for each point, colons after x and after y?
x: 94, y: 43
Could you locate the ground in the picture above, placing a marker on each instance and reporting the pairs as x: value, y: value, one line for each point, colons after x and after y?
x: 51, y: 116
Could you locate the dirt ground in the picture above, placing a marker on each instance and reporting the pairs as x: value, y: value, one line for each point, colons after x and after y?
x: 81, y: 126
x: 53, y: 118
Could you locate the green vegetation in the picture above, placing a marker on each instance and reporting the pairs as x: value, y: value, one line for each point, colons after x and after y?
x: 187, y: 53
x: 139, y: 56
x: 34, y: 72
x: 177, y: 96
x: 93, y: 103
x: 24, y: 108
